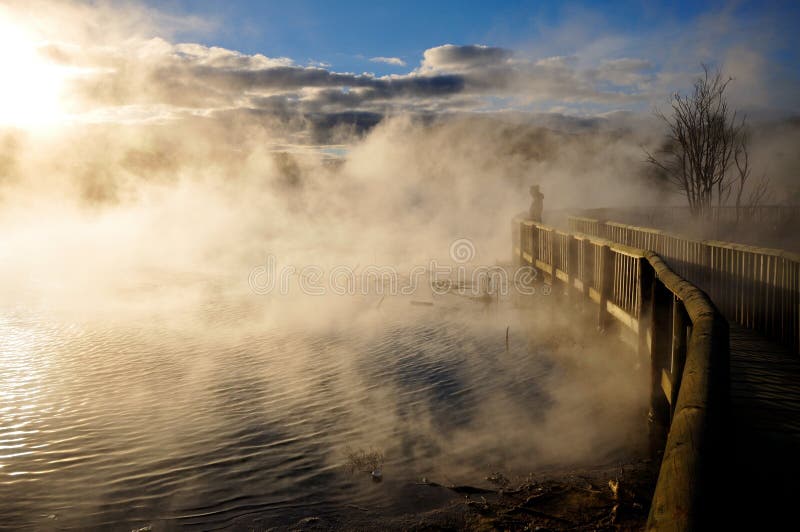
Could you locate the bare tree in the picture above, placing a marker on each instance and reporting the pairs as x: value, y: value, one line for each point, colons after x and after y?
x: 745, y: 206
x: 705, y: 140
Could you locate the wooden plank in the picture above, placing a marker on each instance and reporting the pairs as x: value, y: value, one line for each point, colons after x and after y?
x: 546, y: 268
x: 594, y: 295
x: 623, y: 317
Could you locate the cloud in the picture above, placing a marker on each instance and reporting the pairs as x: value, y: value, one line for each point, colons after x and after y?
x: 155, y: 72
x: 501, y: 72
x: 452, y: 58
x: 131, y: 69
x: 214, y: 56
x: 625, y: 71
x: 389, y: 60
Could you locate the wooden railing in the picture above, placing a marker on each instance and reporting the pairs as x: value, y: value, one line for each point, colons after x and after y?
x: 757, y: 288
x: 678, y: 331
x: 771, y: 224
x: 771, y: 215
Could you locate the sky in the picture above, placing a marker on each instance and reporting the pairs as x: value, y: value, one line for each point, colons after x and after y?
x: 347, y: 34
x: 155, y: 60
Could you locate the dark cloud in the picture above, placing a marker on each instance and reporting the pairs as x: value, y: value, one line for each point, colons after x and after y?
x: 293, y: 78
x: 333, y: 128
x: 199, y: 79
x: 450, y: 57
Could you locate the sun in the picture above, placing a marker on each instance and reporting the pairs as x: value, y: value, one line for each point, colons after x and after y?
x: 31, y: 89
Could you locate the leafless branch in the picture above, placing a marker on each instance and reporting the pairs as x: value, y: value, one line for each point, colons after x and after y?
x: 705, y: 139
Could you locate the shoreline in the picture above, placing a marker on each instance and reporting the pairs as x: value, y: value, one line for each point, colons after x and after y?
x: 607, y: 497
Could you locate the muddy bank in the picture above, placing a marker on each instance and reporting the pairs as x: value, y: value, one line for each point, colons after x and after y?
x: 611, y: 497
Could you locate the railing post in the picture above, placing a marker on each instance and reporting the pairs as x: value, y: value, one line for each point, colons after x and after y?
x: 587, y: 269
x: 678, y: 354
x: 572, y: 264
x: 523, y: 237
x: 605, y: 286
x: 660, y: 359
x: 646, y: 280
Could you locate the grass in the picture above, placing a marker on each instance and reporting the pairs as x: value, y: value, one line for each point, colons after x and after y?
x: 362, y: 460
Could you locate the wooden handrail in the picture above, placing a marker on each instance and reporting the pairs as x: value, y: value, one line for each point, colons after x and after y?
x: 681, y: 334
x: 688, y: 479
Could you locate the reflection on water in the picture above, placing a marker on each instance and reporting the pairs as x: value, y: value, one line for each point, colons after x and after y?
x: 222, y: 417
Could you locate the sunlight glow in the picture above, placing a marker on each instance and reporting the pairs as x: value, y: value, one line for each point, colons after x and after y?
x: 30, y: 94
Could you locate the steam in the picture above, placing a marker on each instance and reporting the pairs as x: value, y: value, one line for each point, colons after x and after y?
x: 103, y: 203
x: 182, y: 166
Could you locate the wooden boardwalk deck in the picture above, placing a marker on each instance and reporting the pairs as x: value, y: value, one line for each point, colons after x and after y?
x: 765, y: 428
x: 758, y: 449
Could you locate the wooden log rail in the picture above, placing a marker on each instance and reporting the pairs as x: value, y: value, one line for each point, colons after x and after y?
x: 677, y: 330
x: 758, y: 288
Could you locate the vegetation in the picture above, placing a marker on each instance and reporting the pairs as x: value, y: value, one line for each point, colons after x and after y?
x: 705, y: 153
x: 360, y: 460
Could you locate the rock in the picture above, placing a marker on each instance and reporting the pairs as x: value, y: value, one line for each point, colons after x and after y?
x: 614, y: 485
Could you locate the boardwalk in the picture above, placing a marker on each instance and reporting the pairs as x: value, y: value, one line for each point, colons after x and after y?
x: 757, y: 290
x: 765, y: 429
x: 729, y: 396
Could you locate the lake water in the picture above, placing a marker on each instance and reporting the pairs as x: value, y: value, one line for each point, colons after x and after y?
x: 222, y: 413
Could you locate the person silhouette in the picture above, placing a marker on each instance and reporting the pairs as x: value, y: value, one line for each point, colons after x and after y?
x: 537, y: 204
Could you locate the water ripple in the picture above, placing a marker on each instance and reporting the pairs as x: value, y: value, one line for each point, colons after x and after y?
x: 118, y: 424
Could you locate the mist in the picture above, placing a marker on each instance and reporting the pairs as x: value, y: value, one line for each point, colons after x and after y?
x: 140, y: 194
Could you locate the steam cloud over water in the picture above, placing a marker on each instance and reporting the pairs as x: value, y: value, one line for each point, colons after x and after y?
x: 144, y: 175
x: 157, y: 152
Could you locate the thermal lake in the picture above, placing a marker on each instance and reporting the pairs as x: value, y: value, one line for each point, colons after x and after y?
x: 226, y: 411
